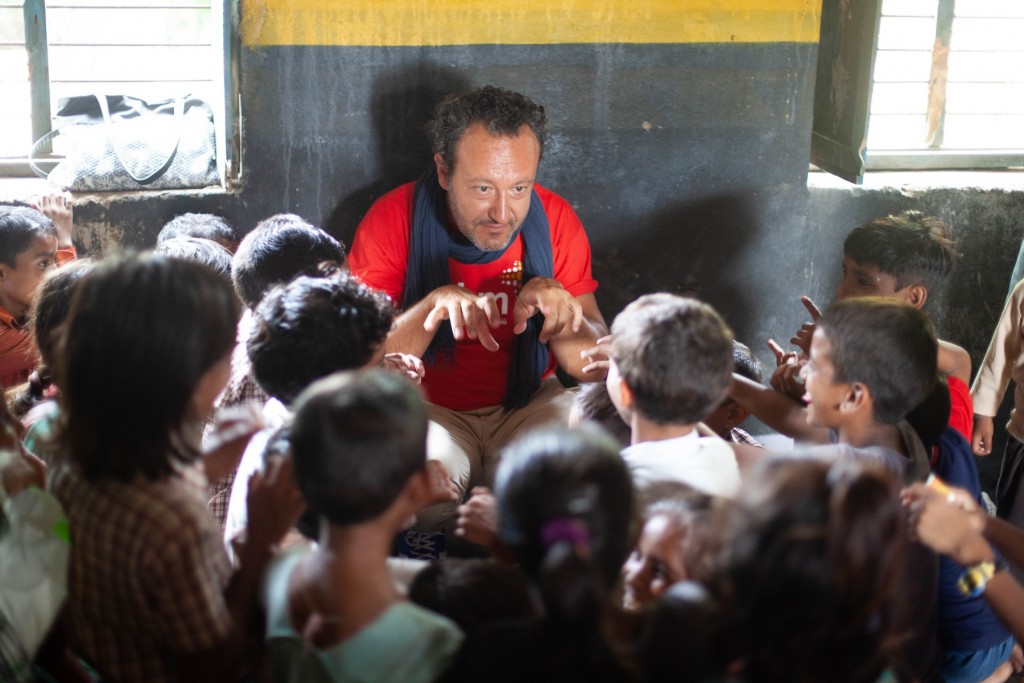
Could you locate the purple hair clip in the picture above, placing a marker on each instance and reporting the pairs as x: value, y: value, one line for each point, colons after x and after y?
x: 564, y: 529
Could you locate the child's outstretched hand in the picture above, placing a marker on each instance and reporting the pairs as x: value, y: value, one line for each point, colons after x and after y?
x: 802, y: 338
x: 224, y: 446
x: 405, y: 364
x: 59, y: 208
x: 442, y: 488
x: 274, y: 502
x: 599, y: 355
x: 478, y: 518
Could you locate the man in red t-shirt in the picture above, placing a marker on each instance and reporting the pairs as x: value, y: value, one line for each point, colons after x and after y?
x: 478, y: 243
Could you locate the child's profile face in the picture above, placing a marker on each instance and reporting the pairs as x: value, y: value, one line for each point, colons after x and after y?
x: 18, y: 283
x: 861, y: 279
x: 822, y: 394
x: 656, y: 562
x: 613, y: 382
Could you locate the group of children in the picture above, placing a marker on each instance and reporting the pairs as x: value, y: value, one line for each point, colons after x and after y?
x: 210, y: 469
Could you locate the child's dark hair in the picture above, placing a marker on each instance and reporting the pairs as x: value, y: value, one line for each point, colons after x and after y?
x: 809, y: 569
x: 20, y: 225
x: 564, y: 500
x: 593, y: 404
x: 930, y: 417
x: 887, y: 345
x: 912, y: 247
x: 745, y: 363
x: 198, y: 250
x: 357, y: 438
x: 675, y: 355
x: 49, y: 312
x: 205, y: 226
x: 474, y: 592
x: 276, y: 251
x: 691, y: 511
x: 139, y: 324
x: 314, y: 326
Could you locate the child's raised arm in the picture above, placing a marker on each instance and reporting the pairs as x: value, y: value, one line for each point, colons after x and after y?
x: 776, y: 410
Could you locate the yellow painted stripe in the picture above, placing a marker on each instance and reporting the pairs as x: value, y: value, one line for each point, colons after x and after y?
x: 527, y: 22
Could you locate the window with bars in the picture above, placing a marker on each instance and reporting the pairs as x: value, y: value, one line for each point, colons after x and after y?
x: 151, y: 49
x: 920, y: 84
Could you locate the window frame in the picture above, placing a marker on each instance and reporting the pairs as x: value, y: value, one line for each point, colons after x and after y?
x: 225, y: 93
x: 848, y: 45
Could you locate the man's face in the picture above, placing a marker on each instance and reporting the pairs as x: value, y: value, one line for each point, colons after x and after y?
x: 490, y: 187
x: 861, y: 279
x: 822, y: 394
x: 18, y: 284
x: 656, y: 562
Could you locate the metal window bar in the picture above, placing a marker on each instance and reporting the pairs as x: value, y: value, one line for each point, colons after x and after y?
x: 937, y: 80
x: 38, y: 68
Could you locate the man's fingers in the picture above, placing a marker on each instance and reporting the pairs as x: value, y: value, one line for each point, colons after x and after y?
x: 434, y: 318
x: 577, y: 315
x: 484, y: 335
x: 489, y: 306
x: 520, y: 315
x: 811, y: 308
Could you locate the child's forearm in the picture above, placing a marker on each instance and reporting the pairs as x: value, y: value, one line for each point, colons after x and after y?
x: 1007, y: 538
x: 776, y: 410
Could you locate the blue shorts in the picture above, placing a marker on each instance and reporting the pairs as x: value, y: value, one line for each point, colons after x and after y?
x: 971, y: 667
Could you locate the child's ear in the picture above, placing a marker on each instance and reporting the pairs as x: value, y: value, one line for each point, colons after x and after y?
x: 443, y: 175
x: 857, y: 397
x: 736, y: 415
x: 916, y: 296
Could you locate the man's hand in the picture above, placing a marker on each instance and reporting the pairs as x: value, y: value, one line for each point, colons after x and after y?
x: 405, y: 364
x: 984, y: 428
x: 802, y: 338
x: 59, y: 208
x: 546, y: 295
x: 471, y: 316
x: 599, y: 355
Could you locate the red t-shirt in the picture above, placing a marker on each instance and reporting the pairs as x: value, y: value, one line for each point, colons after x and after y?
x: 478, y: 378
x: 961, y: 411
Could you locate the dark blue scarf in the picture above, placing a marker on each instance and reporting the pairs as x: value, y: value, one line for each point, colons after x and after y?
x: 431, y: 244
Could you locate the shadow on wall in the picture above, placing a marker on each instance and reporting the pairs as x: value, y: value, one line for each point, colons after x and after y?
x: 403, y: 102
x: 679, y: 249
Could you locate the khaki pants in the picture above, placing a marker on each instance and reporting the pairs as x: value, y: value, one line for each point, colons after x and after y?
x: 468, y: 443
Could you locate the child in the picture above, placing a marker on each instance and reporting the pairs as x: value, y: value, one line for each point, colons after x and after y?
x: 303, y: 331
x: 812, y: 555
x: 670, y: 548
x: 49, y: 312
x: 205, y: 226
x: 333, y: 614
x: 904, y: 257
x: 872, y: 361
x: 671, y: 360
x: 725, y: 420
x: 279, y: 249
x: 198, y: 250
x: 565, y: 504
x: 30, y: 244
x: 150, y: 592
